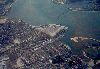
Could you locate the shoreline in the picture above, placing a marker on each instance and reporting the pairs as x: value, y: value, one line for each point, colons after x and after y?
x: 6, y: 7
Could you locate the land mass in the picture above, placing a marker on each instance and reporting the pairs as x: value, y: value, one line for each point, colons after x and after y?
x: 5, y: 6
x: 23, y: 46
x: 26, y: 46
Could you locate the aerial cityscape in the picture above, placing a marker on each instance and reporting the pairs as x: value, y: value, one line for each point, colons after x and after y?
x: 49, y: 34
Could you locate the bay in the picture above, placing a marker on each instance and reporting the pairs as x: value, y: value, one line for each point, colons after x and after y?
x: 40, y: 12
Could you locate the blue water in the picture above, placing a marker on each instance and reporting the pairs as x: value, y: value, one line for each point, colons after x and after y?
x: 40, y: 12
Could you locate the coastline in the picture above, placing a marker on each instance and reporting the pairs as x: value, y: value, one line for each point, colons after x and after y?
x: 5, y: 7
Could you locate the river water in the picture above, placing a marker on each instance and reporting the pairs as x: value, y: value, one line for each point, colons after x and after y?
x: 40, y: 12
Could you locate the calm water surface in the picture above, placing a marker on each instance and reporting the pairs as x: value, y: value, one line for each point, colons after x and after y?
x: 42, y: 12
